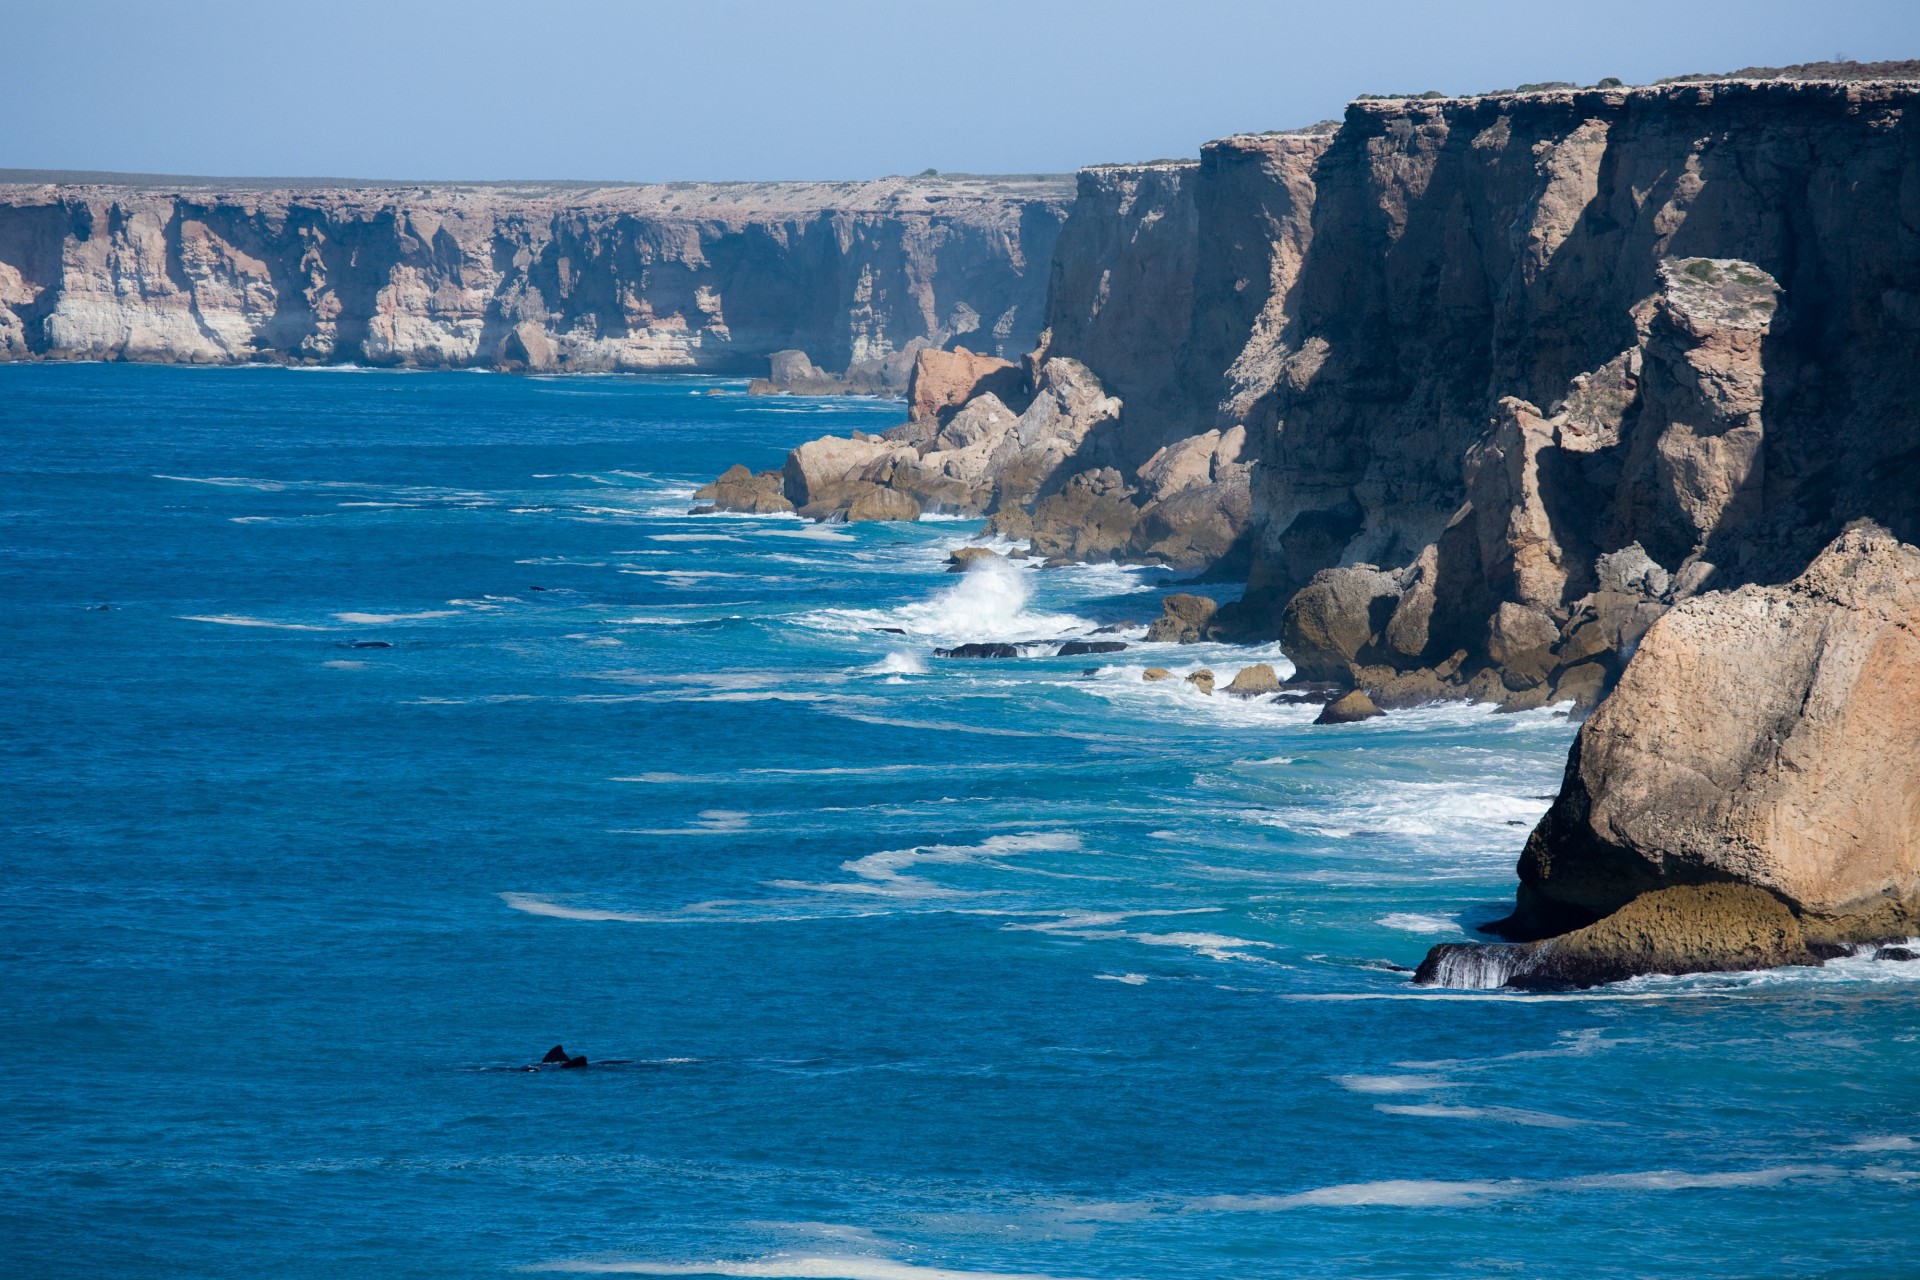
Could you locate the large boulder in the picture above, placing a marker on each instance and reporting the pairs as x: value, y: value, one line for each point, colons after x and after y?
x: 1328, y: 622
x: 823, y: 473
x: 1766, y: 736
x: 1184, y: 619
x: 943, y: 381
x: 1091, y: 518
x: 739, y: 489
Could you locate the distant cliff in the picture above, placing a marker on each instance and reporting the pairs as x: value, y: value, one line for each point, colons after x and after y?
x: 682, y: 276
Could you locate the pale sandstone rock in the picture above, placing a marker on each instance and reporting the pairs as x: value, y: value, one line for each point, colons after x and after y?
x: 1201, y: 680
x: 1183, y: 619
x: 1350, y: 708
x: 1765, y: 736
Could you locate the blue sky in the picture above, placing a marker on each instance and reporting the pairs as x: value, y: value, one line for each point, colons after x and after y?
x: 597, y: 89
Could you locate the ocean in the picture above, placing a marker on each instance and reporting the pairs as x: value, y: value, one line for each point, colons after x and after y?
x: 367, y: 734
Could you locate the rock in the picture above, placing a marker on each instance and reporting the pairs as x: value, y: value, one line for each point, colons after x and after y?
x: 370, y: 644
x: 1091, y: 518
x: 1328, y: 622
x: 739, y: 489
x: 1631, y: 570
x: 1693, y: 928
x: 1764, y: 736
x: 1183, y: 619
x: 1351, y: 709
x: 980, y: 649
x: 557, y: 1054
x: 1896, y: 953
x: 871, y: 502
x: 823, y: 474
x: 1201, y: 680
x: 1583, y: 685
x: 942, y: 381
x: 1253, y: 681
x: 1520, y: 642
x: 1079, y: 648
x: 966, y: 557
x: 1156, y: 673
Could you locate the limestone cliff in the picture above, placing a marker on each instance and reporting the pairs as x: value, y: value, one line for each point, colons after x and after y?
x: 683, y: 276
x: 1555, y: 360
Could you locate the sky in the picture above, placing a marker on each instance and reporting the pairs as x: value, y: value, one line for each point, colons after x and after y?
x: 604, y: 90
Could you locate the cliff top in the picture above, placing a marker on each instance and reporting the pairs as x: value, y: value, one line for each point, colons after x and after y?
x: 922, y: 192
x: 1679, y: 92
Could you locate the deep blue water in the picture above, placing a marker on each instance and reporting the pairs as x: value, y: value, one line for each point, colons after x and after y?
x: 977, y: 967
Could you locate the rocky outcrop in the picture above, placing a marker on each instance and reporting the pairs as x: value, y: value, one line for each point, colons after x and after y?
x: 1766, y: 736
x: 739, y: 489
x: 850, y: 277
x: 1746, y: 798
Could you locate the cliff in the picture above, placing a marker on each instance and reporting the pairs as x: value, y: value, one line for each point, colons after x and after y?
x: 1556, y: 360
x: 682, y: 276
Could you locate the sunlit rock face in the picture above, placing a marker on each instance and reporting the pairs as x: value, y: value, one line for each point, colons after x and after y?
x: 685, y: 276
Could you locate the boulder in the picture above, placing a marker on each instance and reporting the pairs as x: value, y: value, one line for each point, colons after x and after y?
x: 1091, y: 518
x: 1253, y: 681
x: 1183, y: 619
x: 966, y: 557
x: 1080, y: 648
x: 1202, y: 680
x: 821, y: 472
x: 980, y: 649
x: 1156, y: 673
x: 1520, y: 642
x: 739, y: 489
x: 942, y: 381
x: 1631, y: 570
x: 1765, y: 736
x: 1337, y: 614
x: 875, y: 502
x: 1351, y: 709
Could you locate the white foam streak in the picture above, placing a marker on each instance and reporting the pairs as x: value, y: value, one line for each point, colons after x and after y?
x: 237, y: 620
x: 883, y: 874
x: 793, y: 1266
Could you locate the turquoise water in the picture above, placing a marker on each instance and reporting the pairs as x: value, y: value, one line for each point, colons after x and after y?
x: 921, y: 967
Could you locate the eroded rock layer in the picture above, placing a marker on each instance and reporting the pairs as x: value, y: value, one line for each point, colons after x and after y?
x: 850, y: 277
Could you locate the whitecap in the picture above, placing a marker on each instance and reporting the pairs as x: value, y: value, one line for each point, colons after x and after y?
x: 883, y: 874
x: 377, y: 619
x: 1130, y: 979
x: 794, y: 1266
x: 1414, y: 922
x: 899, y: 664
x: 238, y: 620
x: 1506, y: 1115
x: 1391, y: 1084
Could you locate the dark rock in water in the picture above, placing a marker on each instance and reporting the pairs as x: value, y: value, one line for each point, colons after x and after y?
x: 1076, y: 648
x: 1114, y: 628
x: 978, y: 649
x: 1351, y: 709
x: 1699, y: 928
x: 705, y: 509
x: 1896, y: 953
x: 369, y: 644
x: 556, y: 1054
x: 1471, y: 966
x: 576, y: 1062
x: 891, y: 631
x: 99, y: 608
x: 536, y: 588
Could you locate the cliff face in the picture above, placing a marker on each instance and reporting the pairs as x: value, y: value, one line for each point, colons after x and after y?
x: 1469, y: 251
x: 683, y: 276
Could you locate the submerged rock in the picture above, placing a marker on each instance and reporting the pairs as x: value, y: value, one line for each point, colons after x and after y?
x: 1078, y: 648
x: 981, y: 649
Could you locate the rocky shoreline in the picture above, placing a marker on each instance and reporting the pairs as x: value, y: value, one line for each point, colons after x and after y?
x: 1517, y: 399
